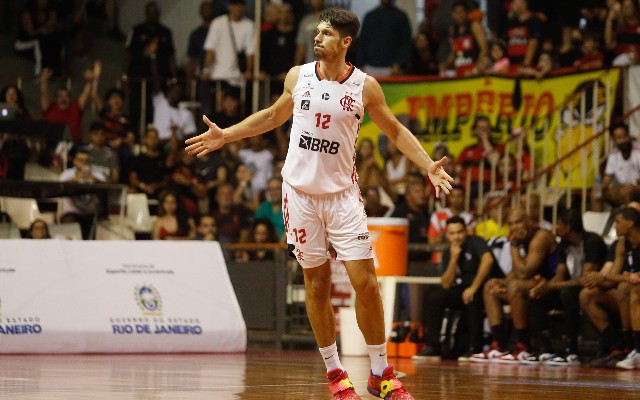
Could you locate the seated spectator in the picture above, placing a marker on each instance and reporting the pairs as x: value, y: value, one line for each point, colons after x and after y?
x: 39, y: 230
x: 369, y: 173
x: 496, y: 223
x: 243, y: 194
x: 396, y: 170
x: 606, y: 294
x: 468, y: 43
x: 533, y: 253
x: 116, y: 123
x: 439, y: 218
x: 12, y: 104
x: 498, y: 62
x: 229, y: 113
x: 592, y: 57
x: 422, y: 61
x: 62, y: 109
x: 206, y: 228
x: 536, y: 212
x: 233, y: 220
x: 173, y: 222
x: 465, y: 265
x: 414, y: 209
x: 622, y: 32
x: 82, y: 208
x: 105, y: 159
x: 622, y: 172
x: 580, y: 252
x: 544, y: 66
x: 260, y: 162
x: 185, y: 182
x: 148, y: 169
x: 372, y: 204
x: 39, y: 37
x: 271, y: 208
x: 262, y: 232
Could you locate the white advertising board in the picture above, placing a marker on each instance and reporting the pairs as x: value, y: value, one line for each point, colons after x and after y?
x: 108, y: 296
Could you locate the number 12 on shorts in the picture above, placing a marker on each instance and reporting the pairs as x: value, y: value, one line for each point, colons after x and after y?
x: 300, y: 235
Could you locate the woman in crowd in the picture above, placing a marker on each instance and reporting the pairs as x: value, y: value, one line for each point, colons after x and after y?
x: 172, y: 222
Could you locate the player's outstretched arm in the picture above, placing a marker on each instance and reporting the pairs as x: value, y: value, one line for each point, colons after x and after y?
x: 404, y: 140
x: 255, y: 124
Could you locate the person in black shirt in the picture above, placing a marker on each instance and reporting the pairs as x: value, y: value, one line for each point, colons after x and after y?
x: 466, y: 264
x: 623, y: 276
x: 148, y: 170
x: 523, y: 36
x: 580, y: 252
x: 414, y: 208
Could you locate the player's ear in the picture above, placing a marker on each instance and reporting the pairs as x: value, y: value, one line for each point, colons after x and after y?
x: 346, y: 41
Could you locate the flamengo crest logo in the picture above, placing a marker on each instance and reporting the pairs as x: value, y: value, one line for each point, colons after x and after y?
x: 148, y: 299
x: 347, y: 103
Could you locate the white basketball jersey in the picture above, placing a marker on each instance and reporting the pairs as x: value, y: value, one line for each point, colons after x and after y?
x: 326, y: 119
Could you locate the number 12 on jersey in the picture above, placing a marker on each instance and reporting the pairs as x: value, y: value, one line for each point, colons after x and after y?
x: 300, y: 235
x: 322, y: 120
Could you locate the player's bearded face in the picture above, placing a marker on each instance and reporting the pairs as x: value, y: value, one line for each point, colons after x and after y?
x: 327, y: 42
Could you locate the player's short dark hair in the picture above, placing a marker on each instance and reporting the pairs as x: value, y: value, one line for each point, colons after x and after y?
x: 573, y: 218
x: 630, y: 214
x: 456, y: 219
x: 344, y: 21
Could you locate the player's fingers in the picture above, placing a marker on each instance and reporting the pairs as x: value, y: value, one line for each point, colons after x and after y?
x: 204, y: 152
x: 193, y: 146
x: 208, y: 121
x: 437, y: 192
x: 439, y: 163
x: 446, y: 187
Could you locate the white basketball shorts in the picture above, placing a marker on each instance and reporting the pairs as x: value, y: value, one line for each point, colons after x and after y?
x: 313, y: 222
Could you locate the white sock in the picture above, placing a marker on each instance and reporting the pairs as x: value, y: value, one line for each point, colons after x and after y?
x: 378, y: 355
x: 331, y: 358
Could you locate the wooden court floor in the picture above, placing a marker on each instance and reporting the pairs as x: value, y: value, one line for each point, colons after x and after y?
x: 275, y: 374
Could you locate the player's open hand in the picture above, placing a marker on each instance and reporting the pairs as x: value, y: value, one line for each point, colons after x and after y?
x: 207, y: 142
x: 439, y: 177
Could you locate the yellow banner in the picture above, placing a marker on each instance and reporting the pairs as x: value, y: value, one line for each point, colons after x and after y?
x: 548, y: 110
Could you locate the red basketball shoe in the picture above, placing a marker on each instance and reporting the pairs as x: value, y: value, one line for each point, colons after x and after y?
x: 387, y: 386
x: 340, y: 385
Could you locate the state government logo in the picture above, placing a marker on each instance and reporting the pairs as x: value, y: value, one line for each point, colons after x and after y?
x: 148, y: 299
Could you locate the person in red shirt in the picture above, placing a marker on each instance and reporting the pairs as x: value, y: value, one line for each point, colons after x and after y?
x: 468, y: 42
x: 62, y: 109
x: 592, y: 57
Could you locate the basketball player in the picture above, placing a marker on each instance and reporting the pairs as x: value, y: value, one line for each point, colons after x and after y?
x: 321, y: 200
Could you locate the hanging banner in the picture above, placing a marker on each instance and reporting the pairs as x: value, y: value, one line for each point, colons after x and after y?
x: 547, y: 110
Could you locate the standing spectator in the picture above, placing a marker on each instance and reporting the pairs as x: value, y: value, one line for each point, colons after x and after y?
x: 233, y: 220
x: 82, y: 208
x: 523, y: 36
x: 307, y: 33
x: 622, y: 173
x: 207, y: 228
x: 385, y: 40
x: 468, y: 43
x: 580, y: 252
x: 624, y: 37
x: 39, y: 38
x: 569, y: 51
x: 169, y: 119
x: 230, y: 41
x: 39, y: 230
x: 62, y: 109
x: 117, y: 124
x: 279, y: 46
x: 173, y: 222
x: 148, y: 41
x: 105, y: 159
x: 271, y: 208
x: 465, y: 265
x: 147, y: 174
x: 195, y: 62
x: 423, y: 60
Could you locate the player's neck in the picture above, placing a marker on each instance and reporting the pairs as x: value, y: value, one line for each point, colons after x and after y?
x: 333, y: 70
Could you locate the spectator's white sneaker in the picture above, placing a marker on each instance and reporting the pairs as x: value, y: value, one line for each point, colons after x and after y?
x: 520, y: 356
x: 569, y: 360
x: 491, y: 355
